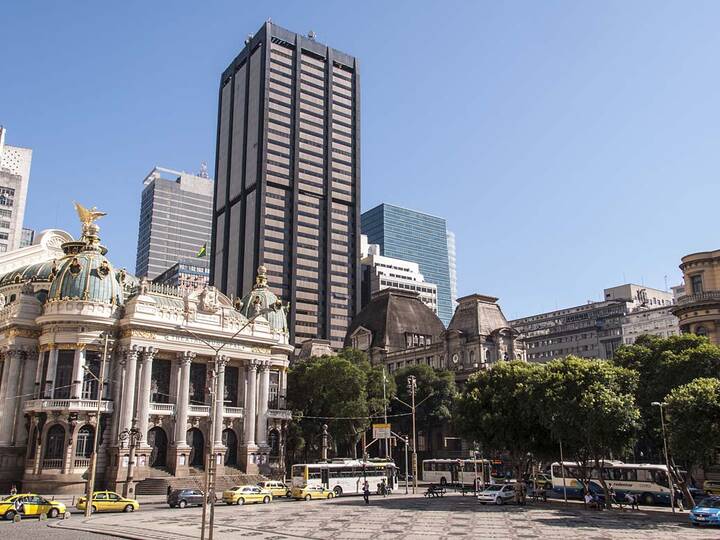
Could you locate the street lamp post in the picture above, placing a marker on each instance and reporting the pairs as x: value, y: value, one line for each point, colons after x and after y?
x: 96, y: 442
x: 412, y: 386
x: 667, y: 457
x: 210, y: 456
x: 133, y: 436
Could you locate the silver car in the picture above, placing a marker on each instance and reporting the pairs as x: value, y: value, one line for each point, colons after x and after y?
x: 497, y: 494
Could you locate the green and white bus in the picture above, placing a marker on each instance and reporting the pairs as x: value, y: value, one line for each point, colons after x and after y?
x: 345, y: 476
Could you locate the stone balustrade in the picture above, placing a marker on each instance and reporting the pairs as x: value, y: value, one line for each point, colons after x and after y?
x: 162, y: 408
x: 706, y: 296
x: 282, y: 414
x: 91, y: 405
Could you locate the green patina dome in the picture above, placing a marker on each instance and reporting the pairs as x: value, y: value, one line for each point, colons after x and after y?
x: 262, y: 300
x: 86, y: 274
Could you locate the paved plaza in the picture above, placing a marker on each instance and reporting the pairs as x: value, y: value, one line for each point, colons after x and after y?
x: 397, y: 517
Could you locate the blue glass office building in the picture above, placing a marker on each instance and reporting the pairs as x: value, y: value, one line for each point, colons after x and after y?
x: 416, y: 237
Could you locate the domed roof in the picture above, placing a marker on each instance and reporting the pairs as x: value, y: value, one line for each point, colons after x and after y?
x: 262, y: 300
x: 391, y: 314
x: 84, y: 273
x: 31, y: 272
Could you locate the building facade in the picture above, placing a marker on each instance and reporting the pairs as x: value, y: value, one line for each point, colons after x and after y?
x: 187, y: 274
x: 698, y: 309
x: 175, y: 220
x: 657, y: 321
x: 380, y: 272
x: 161, y: 351
x: 416, y: 237
x: 397, y: 329
x: 288, y: 179
x: 15, y: 164
x: 27, y: 237
x: 592, y: 330
x: 452, y: 266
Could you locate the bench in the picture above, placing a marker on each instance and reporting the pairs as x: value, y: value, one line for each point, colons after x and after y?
x: 434, y: 491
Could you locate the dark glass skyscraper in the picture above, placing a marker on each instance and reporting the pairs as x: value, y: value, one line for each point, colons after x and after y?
x: 417, y: 237
x: 288, y: 179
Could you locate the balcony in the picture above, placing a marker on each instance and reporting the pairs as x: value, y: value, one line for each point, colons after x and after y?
x: 704, y: 297
x: 281, y: 414
x: 233, y: 412
x: 199, y: 410
x: 70, y: 405
x: 162, y: 408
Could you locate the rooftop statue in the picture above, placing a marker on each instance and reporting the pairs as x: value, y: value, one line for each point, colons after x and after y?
x: 88, y: 217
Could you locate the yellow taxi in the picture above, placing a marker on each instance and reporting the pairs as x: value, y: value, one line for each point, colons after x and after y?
x: 712, y: 487
x: 246, y: 495
x: 29, y: 504
x: 108, y: 501
x: 312, y: 492
x: 277, y: 488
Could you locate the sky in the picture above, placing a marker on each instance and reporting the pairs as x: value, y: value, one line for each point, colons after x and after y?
x: 571, y: 146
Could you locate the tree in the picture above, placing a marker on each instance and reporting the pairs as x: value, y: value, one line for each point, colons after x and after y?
x: 693, y: 421
x: 664, y: 364
x: 499, y: 409
x: 589, y: 405
x: 326, y: 389
x: 434, y: 398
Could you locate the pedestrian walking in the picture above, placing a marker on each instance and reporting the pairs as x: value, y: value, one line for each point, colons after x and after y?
x: 383, y: 488
x: 13, y: 490
x: 169, y: 490
x: 611, y: 493
x: 679, y: 496
x: 366, y: 492
x: 632, y: 501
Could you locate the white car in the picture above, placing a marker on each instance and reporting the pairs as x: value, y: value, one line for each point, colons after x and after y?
x: 497, y: 494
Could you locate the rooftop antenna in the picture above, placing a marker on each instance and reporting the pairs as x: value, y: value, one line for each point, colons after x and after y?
x: 666, y: 286
x: 203, y: 170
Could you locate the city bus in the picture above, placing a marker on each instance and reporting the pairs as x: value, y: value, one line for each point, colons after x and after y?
x: 345, y: 476
x: 649, y: 482
x: 462, y: 471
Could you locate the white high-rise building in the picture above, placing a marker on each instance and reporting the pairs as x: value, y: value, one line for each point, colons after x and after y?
x: 379, y: 272
x: 14, y: 178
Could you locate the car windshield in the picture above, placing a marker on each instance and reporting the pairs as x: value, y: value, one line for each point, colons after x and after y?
x: 234, y: 488
x: 709, y: 503
x: 493, y: 488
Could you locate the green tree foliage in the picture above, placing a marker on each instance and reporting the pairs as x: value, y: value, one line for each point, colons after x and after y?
x: 328, y: 389
x: 435, y: 389
x: 589, y: 405
x: 693, y: 421
x: 664, y: 364
x: 499, y: 409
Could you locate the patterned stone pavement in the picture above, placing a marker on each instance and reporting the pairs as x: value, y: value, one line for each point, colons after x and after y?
x: 397, y: 517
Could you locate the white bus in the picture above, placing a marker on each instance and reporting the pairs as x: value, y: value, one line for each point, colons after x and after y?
x: 461, y: 471
x: 345, y: 476
x: 648, y: 481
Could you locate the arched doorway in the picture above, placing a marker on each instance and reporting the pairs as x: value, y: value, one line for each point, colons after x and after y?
x: 230, y: 442
x: 157, y: 440
x: 54, y: 447
x: 274, y: 442
x: 196, y: 442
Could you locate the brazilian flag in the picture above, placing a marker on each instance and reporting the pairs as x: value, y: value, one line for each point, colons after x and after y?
x: 203, y: 251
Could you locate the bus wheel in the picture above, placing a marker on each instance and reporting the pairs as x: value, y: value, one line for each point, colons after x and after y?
x: 338, y: 491
x: 648, y: 499
x: 443, y: 481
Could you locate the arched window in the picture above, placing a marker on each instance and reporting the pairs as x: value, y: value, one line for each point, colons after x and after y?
x: 55, y: 442
x: 274, y: 442
x: 85, y: 442
x: 701, y: 331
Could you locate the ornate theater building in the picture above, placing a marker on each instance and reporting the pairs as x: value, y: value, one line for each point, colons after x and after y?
x: 69, y: 319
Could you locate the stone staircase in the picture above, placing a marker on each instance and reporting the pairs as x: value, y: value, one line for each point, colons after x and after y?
x: 157, y: 485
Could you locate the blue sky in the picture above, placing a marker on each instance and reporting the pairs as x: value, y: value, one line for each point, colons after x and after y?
x: 571, y: 145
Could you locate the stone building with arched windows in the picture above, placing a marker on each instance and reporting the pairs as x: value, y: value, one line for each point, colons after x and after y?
x: 166, y: 350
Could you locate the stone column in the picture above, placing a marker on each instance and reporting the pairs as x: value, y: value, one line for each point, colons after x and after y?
x: 262, y: 414
x: 250, y: 399
x: 115, y: 369
x: 26, y: 393
x: 220, y: 363
x: 50, y: 376
x: 78, y: 375
x: 11, y: 374
x: 143, y: 398
x: 128, y: 394
x: 183, y: 398
x: 38, y: 389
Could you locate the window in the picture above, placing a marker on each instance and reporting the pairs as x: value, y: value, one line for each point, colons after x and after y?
x: 701, y: 331
x: 85, y: 440
x: 696, y: 284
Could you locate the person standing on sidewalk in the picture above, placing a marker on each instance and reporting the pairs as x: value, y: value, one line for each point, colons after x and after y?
x: 366, y: 492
